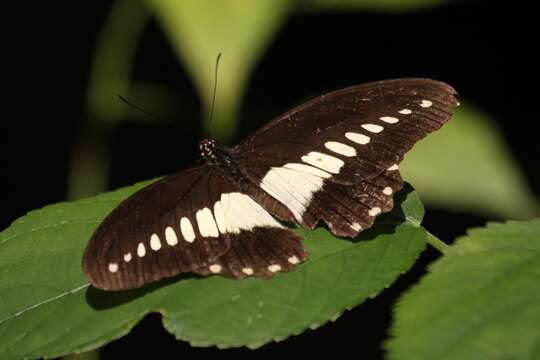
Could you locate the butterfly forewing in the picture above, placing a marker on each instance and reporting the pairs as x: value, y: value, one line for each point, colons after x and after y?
x: 373, y: 124
x: 336, y: 157
x: 162, y: 230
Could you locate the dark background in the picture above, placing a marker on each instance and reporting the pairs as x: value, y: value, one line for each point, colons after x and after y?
x: 484, y: 51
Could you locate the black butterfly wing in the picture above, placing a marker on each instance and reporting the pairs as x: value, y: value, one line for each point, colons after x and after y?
x: 335, y: 158
x: 259, y: 252
x: 259, y: 245
x: 185, y: 223
x: 154, y: 234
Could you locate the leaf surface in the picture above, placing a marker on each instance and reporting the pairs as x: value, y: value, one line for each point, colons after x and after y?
x: 480, y: 301
x: 240, y: 30
x: 47, y: 308
x: 467, y: 165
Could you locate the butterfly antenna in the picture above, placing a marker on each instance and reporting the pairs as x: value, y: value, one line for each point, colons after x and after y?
x: 127, y: 102
x: 147, y: 113
x: 213, y: 96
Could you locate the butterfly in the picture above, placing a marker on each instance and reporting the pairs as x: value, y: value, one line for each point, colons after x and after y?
x: 332, y: 160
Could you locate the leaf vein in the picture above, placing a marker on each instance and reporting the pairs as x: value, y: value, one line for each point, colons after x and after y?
x: 32, y: 307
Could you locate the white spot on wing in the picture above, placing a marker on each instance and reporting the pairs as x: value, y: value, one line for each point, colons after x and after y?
x: 274, y: 268
x: 141, y: 250
x: 187, y: 230
x: 170, y: 236
x: 356, y: 226
x: 155, y: 244
x: 240, y: 212
x: 405, y: 111
x: 247, y: 271
x: 293, y: 259
x: 292, y: 188
x: 373, y: 128
x: 340, y: 148
x: 218, y: 215
x: 393, y: 167
x: 426, y: 103
x: 387, y: 190
x: 127, y: 257
x: 389, y: 119
x: 358, y: 138
x: 207, y: 225
x: 215, y: 268
x: 308, y: 169
x: 322, y: 161
x: 113, y: 267
x: 374, y: 211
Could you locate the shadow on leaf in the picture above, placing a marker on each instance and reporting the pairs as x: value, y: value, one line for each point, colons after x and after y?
x: 102, y: 300
x: 386, y: 223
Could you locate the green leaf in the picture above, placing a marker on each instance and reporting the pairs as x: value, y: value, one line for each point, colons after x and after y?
x: 113, y: 60
x: 480, y: 301
x: 467, y: 166
x: 48, y: 309
x: 239, y: 29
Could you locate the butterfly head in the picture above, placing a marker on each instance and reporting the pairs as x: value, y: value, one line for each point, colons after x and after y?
x: 208, y: 149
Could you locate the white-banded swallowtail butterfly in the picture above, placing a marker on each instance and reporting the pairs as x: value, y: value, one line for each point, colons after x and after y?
x: 333, y: 159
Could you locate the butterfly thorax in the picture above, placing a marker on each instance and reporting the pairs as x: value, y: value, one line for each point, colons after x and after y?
x: 215, y: 154
x: 222, y: 157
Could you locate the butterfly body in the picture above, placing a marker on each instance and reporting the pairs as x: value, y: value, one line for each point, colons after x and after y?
x: 215, y: 154
x: 332, y: 160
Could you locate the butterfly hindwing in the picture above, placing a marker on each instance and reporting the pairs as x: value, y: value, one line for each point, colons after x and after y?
x: 261, y: 252
x: 348, y: 210
x: 259, y: 245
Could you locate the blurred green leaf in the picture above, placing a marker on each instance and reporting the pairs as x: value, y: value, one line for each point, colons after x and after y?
x: 109, y: 77
x: 239, y: 29
x: 380, y: 5
x: 480, y: 301
x: 48, y: 309
x: 113, y: 60
x: 467, y: 166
